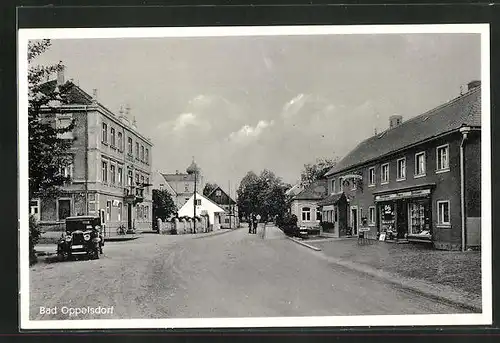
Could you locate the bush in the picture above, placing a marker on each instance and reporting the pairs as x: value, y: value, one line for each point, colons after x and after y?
x: 34, y: 238
x: 173, y: 231
x: 288, y: 224
x: 327, y: 227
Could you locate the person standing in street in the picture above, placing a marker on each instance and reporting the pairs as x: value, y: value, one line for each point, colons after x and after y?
x: 255, y: 223
x: 250, y: 223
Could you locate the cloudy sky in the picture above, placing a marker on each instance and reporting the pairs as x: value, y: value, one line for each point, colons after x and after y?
x: 276, y: 102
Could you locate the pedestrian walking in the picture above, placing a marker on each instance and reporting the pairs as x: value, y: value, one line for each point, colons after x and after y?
x: 250, y: 223
x: 255, y: 223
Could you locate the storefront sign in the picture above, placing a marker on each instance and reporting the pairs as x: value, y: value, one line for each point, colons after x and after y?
x: 382, y: 237
x: 364, y: 229
x: 409, y: 194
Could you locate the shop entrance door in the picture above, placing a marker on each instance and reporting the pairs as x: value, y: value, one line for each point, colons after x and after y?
x: 354, y: 220
x: 402, y: 219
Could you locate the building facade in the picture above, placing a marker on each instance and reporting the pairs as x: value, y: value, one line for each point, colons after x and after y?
x: 180, y: 185
x: 305, y: 204
x: 420, y: 180
x: 204, y: 207
x: 230, y: 217
x: 111, y: 169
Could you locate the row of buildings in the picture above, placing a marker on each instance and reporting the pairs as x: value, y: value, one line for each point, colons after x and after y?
x: 419, y: 180
x: 111, y: 171
x: 111, y: 164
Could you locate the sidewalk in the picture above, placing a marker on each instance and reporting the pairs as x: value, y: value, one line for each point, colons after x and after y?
x: 452, y: 277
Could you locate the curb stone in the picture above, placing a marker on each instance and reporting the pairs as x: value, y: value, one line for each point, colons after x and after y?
x: 428, y: 289
x: 216, y: 233
x: 305, y: 244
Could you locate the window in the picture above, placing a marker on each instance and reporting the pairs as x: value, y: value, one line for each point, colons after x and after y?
x: 306, y: 214
x: 384, y: 173
x: 120, y: 141
x: 147, y: 155
x: 129, y: 144
x: 354, y: 185
x: 417, y: 214
x: 104, y: 172
x: 35, y: 209
x: 198, y: 202
x: 401, y: 164
x: 333, y: 186
x: 147, y: 184
x: 371, y: 214
x: 186, y: 187
x: 186, y: 199
x: 371, y: 176
x: 142, y: 180
x: 67, y: 171
x: 62, y: 123
x: 113, y: 137
x: 92, y: 199
x: 119, y: 214
x: 218, y: 193
x: 341, y: 181
x: 120, y: 176
x: 63, y: 208
x: 420, y: 164
x: 318, y: 214
x: 137, y: 150
x: 142, y: 153
x: 443, y: 212
x: 146, y: 212
x: 108, y: 211
x: 442, y: 158
x: 336, y: 213
x: 136, y: 178
x: 130, y: 179
x: 104, y: 133
x: 112, y: 170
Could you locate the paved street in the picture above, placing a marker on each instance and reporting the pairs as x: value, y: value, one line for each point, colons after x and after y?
x: 229, y: 275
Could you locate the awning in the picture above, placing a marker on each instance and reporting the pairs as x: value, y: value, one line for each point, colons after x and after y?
x: 332, y: 199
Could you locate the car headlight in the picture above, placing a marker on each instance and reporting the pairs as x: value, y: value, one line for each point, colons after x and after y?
x: 86, y: 237
x: 68, y: 238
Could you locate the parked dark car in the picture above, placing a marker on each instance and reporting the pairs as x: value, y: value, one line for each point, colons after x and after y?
x: 83, y: 237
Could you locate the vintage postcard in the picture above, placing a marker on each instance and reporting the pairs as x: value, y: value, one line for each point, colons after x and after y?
x: 225, y: 177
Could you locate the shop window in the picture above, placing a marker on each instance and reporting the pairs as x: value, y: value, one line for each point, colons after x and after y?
x: 371, y: 214
x: 119, y: 212
x: 35, y: 209
x: 63, y: 208
x: 104, y: 172
x: 401, y: 169
x: 417, y: 222
x: 420, y: 164
x: 371, y: 176
x: 306, y: 214
x: 387, y: 216
x: 113, y: 137
x: 442, y: 158
x: 108, y: 211
x: 104, y: 133
x: 384, y: 173
x: 443, y: 212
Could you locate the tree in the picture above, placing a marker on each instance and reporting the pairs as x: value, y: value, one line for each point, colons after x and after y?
x: 163, y: 205
x: 263, y: 194
x: 209, y: 187
x: 48, y: 153
x: 315, y: 171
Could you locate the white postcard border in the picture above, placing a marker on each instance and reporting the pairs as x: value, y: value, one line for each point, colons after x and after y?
x: 485, y: 318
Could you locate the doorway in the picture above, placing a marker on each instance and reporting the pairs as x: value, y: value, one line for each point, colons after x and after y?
x: 129, y: 217
x: 354, y: 220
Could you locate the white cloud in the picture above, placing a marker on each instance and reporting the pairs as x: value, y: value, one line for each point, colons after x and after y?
x: 293, y: 106
x: 249, y: 132
x: 185, y: 119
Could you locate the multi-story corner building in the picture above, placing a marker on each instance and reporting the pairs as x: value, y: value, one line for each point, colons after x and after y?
x: 419, y: 180
x: 180, y: 185
x: 111, y: 169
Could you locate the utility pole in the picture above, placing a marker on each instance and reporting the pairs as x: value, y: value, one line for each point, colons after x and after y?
x: 194, y: 203
x: 229, y: 203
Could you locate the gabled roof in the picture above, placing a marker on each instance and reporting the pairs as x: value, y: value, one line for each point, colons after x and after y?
x: 231, y: 201
x: 294, y: 190
x: 464, y: 110
x: 315, y: 191
x: 178, y: 177
x: 332, y: 199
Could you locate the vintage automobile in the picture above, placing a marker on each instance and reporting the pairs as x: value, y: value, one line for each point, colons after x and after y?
x: 83, y: 237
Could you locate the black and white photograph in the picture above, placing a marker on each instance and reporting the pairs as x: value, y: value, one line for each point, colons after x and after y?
x: 280, y: 176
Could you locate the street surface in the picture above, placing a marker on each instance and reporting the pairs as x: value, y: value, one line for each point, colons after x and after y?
x: 233, y: 274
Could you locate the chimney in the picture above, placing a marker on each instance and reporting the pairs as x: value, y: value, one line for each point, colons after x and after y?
x: 473, y: 84
x: 134, y: 123
x: 177, y: 171
x: 123, y: 117
x: 94, y: 95
x: 60, y: 76
x: 395, y: 120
